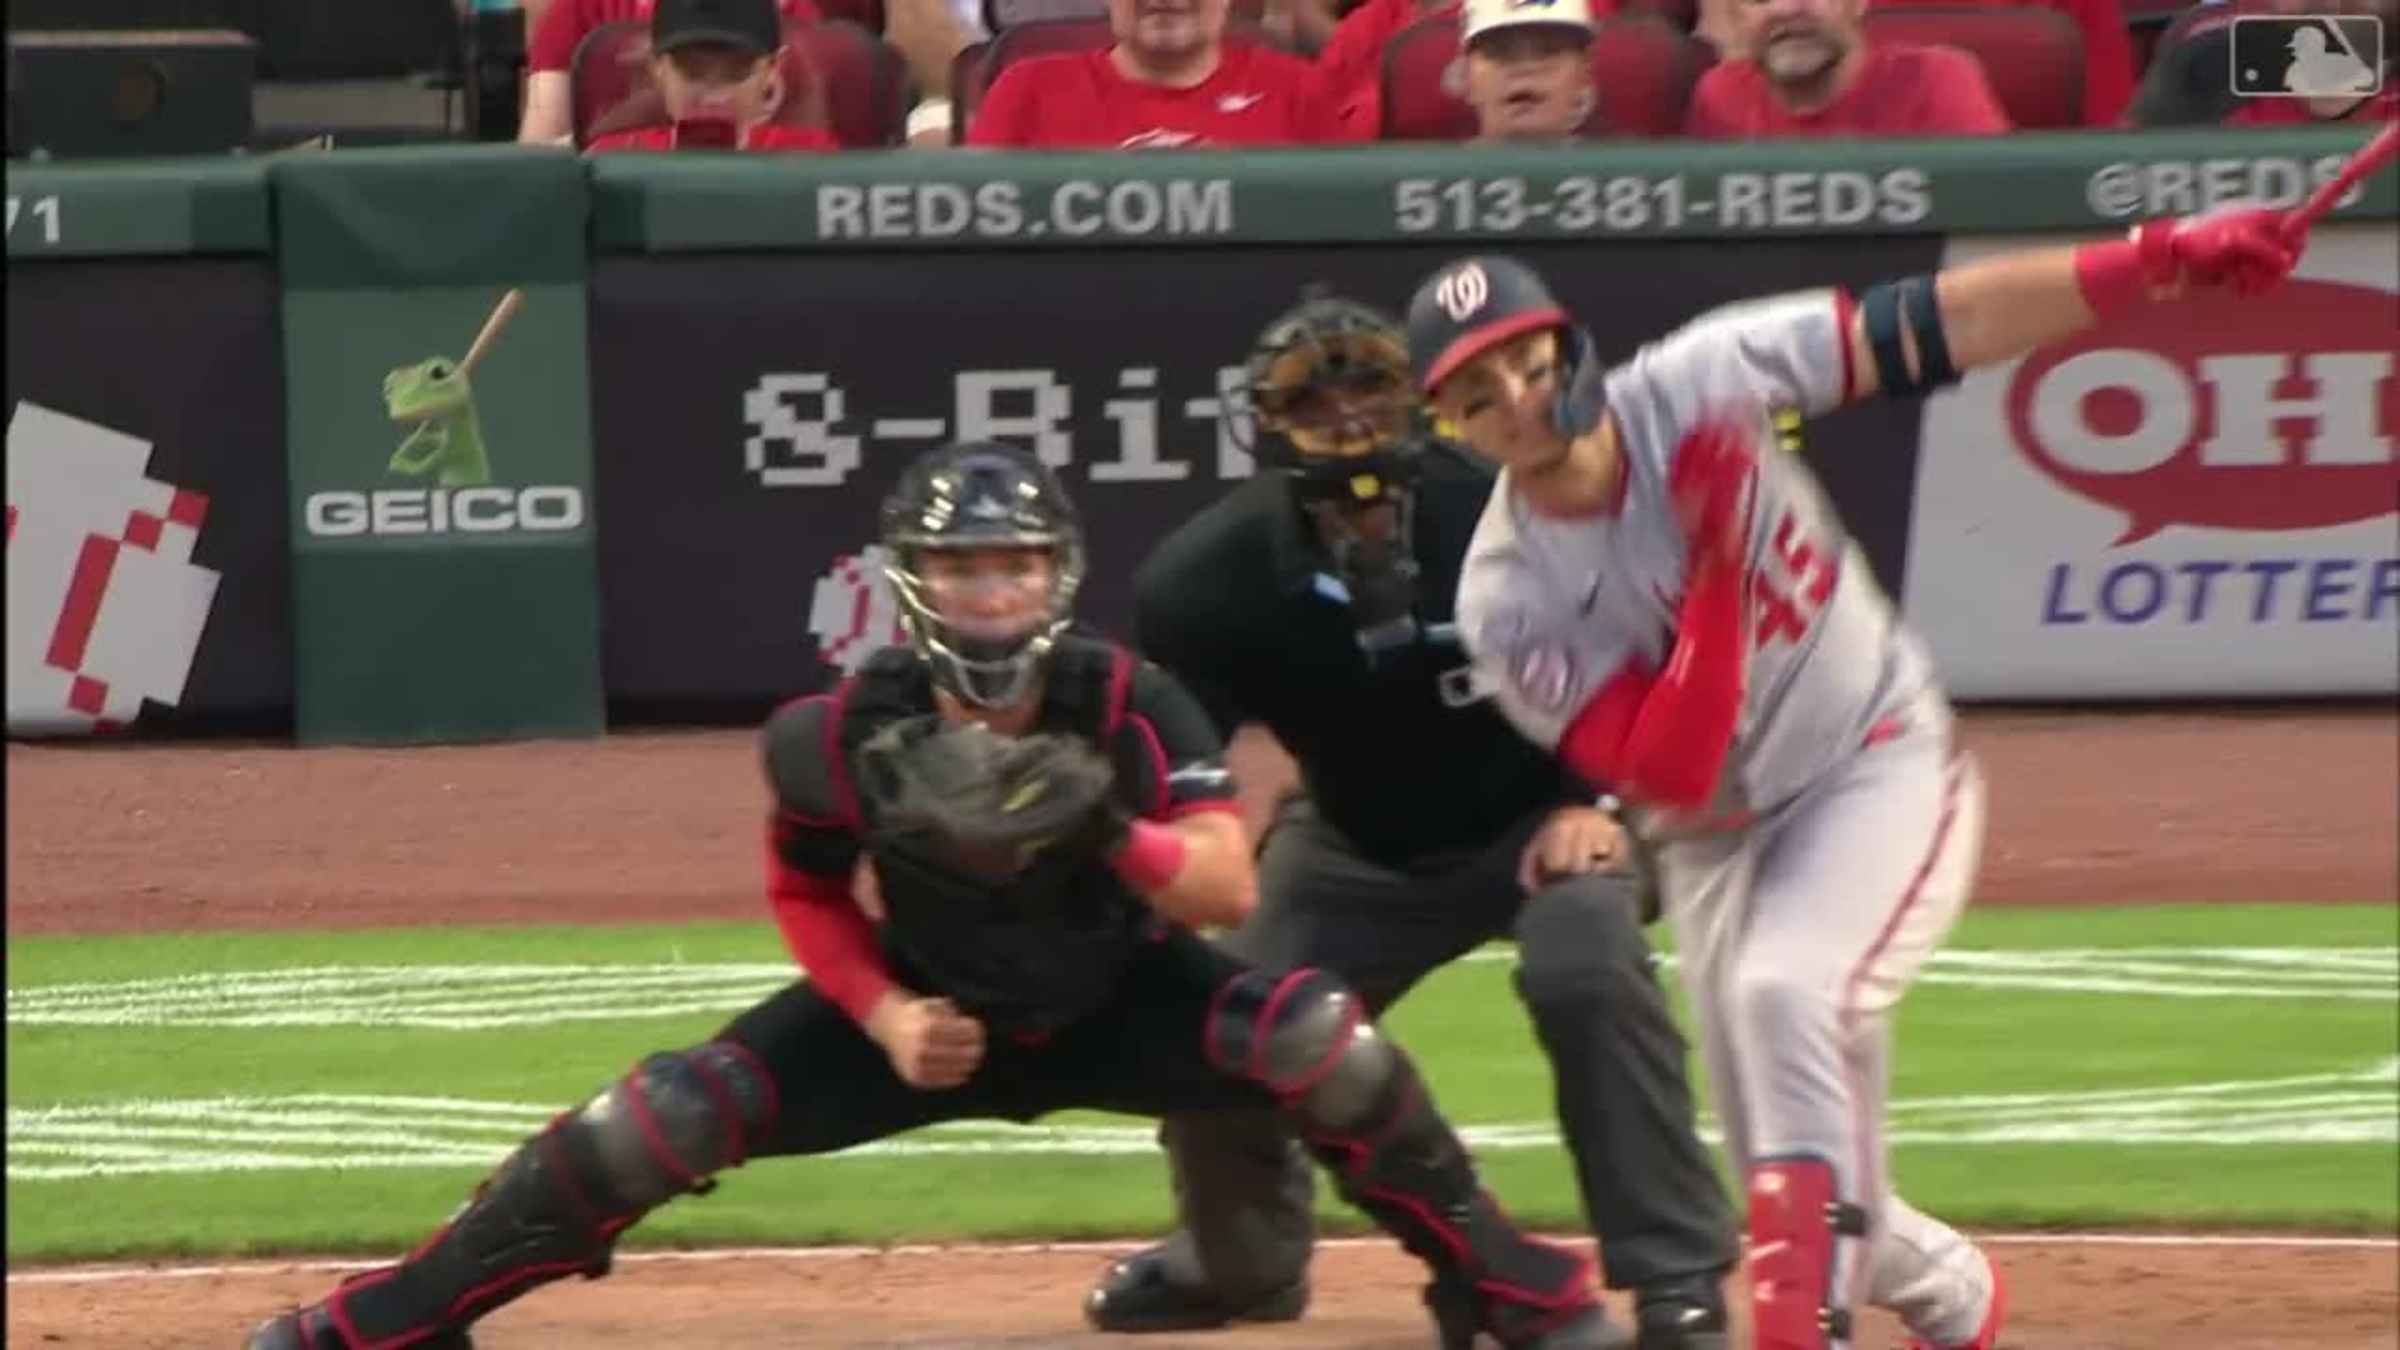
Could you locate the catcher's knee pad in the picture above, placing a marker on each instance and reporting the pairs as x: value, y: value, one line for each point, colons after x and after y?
x: 1364, y: 1114
x: 555, y: 1207
x: 1797, y: 1223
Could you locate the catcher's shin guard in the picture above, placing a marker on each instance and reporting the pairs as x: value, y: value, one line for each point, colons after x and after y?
x: 1797, y: 1221
x: 1364, y: 1114
x: 555, y: 1207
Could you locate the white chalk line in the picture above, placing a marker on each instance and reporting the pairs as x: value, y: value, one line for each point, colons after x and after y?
x: 325, y: 1132
x: 474, y: 997
x: 124, y: 1274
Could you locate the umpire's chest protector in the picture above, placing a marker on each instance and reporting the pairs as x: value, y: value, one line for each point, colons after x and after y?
x: 1050, y: 944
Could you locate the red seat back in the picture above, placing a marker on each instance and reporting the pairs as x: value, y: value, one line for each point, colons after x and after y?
x: 1018, y: 43
x: 2033, y: 57
x: 1643, y: 71
x: 834, y: 74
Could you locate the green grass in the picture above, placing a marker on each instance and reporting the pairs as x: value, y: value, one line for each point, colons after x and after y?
x: 1463, y: 1025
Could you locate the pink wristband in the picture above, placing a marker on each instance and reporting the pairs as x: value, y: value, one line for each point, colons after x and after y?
x: 1151, y: 856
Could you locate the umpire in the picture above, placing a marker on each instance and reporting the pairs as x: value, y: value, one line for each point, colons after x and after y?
x: 1316, y: 599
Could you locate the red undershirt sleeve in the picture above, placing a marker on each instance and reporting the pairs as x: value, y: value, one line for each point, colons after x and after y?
x: 830, y: 937
x: 1664, y: 739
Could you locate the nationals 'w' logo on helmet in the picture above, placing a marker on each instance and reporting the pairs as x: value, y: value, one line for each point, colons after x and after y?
x: 1463, y: 291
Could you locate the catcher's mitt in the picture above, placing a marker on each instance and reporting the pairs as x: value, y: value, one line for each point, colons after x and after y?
x: 986, y: 804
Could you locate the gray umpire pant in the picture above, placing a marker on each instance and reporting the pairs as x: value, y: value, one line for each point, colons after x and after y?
x: 1244, y: 1189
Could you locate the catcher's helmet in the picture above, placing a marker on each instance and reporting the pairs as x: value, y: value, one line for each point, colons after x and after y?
x: 981, y: 494
x: 1328, y: 383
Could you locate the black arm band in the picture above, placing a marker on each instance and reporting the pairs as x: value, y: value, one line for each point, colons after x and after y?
x: 1924, y: 315
x: 1884, y: 307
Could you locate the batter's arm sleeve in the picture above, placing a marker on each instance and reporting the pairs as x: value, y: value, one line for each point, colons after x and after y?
x: 1656, y: 731
x: 813, y: 847
x: 1786, y: 351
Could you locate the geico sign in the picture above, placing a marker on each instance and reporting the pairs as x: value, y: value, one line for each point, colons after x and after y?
x: 2271, y: 414
x: 479, y: 510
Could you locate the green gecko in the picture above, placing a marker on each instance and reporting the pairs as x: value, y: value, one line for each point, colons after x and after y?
x: 448, y: 439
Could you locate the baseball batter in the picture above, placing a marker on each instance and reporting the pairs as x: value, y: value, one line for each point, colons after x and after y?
x: 1675, y: 610
x: 1047, y: 819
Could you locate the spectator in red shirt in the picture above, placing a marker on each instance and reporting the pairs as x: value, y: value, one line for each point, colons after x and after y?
x: 1806, y: 69
x: 1528, y: 68
x: 1171, y: 81
x: 556, y: 29
x: 713, y: 65
x: 2108, y: 66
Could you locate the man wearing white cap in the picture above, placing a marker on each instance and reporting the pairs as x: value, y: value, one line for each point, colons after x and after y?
x: 1528, y: 68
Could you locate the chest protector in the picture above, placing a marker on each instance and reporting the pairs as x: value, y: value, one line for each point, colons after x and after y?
x: 1051, y: 944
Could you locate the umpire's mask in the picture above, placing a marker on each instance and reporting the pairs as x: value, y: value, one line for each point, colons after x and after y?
x: 981, y: 495
x: 1337, y: 412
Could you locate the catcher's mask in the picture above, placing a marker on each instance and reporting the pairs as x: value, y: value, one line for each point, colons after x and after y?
x: 981, y: 495
x: 1336, y: 411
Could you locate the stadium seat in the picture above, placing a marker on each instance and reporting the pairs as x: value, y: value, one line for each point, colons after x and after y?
x: 2033, y: 57
x: 1642, y: 68
x: 835, y: 74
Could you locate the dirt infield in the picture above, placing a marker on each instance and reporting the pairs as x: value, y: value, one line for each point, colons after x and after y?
x: 2087, y: 808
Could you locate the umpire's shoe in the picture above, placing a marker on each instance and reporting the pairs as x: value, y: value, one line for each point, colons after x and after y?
x: 1462, y: 1313
x: 1682, y: 1315
x: 312, y: 1329
x: 1139, y: 1293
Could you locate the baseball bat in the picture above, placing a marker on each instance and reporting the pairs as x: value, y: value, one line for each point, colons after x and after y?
x: 2370, y: 157
x: 501, y: 314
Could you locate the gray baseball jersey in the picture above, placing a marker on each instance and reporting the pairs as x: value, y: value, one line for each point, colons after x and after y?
x: 1551, y: 609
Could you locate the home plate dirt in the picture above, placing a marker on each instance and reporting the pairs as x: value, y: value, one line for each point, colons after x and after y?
x: 2125, y: 805
x: 2068, y: 1296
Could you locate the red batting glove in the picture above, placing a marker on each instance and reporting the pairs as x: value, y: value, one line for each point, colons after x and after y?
x: 1715, y: 467
x: 2251, y: 249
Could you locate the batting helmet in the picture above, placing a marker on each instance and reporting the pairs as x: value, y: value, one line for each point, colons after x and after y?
x: 981, y: 494
x: 1473, y: 305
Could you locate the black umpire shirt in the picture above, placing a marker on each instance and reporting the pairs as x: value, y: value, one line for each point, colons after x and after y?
x: 1242, y: 605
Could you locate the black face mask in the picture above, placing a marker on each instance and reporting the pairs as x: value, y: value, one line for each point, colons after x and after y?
x: 1379, y: 569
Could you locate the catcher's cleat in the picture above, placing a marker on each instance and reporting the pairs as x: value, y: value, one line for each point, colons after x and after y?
x: 1686, y: 1314
x: 311, y: 1328
x: 1987, y: 1336
x: 1138, y: 1294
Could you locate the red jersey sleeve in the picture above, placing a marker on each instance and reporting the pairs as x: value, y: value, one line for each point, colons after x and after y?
x: 1957, y: 98
x: 1711, y: 112
x: 1005, y: 116
x: 562, y: 25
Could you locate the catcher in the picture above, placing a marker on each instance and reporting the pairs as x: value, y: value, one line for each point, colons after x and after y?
x: 1045, y: 821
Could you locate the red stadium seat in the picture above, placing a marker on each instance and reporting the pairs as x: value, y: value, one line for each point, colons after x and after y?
x: 2033, y: 57
x: 1643, y: 70
x: 835, y: 75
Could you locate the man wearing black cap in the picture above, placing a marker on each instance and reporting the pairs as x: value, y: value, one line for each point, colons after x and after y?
x: 713, y: 64
x: 1314, y: 600
x: 1666, y: 603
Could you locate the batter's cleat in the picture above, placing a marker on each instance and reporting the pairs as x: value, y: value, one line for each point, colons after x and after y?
x: 1987, y: 1336
x: 1462, y: 1313
x: 311, y: 1328
x: 1682, y: 1315
x: 1138, y: 1294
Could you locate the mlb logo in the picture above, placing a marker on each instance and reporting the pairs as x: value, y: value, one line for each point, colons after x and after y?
x: 2307, y: 55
